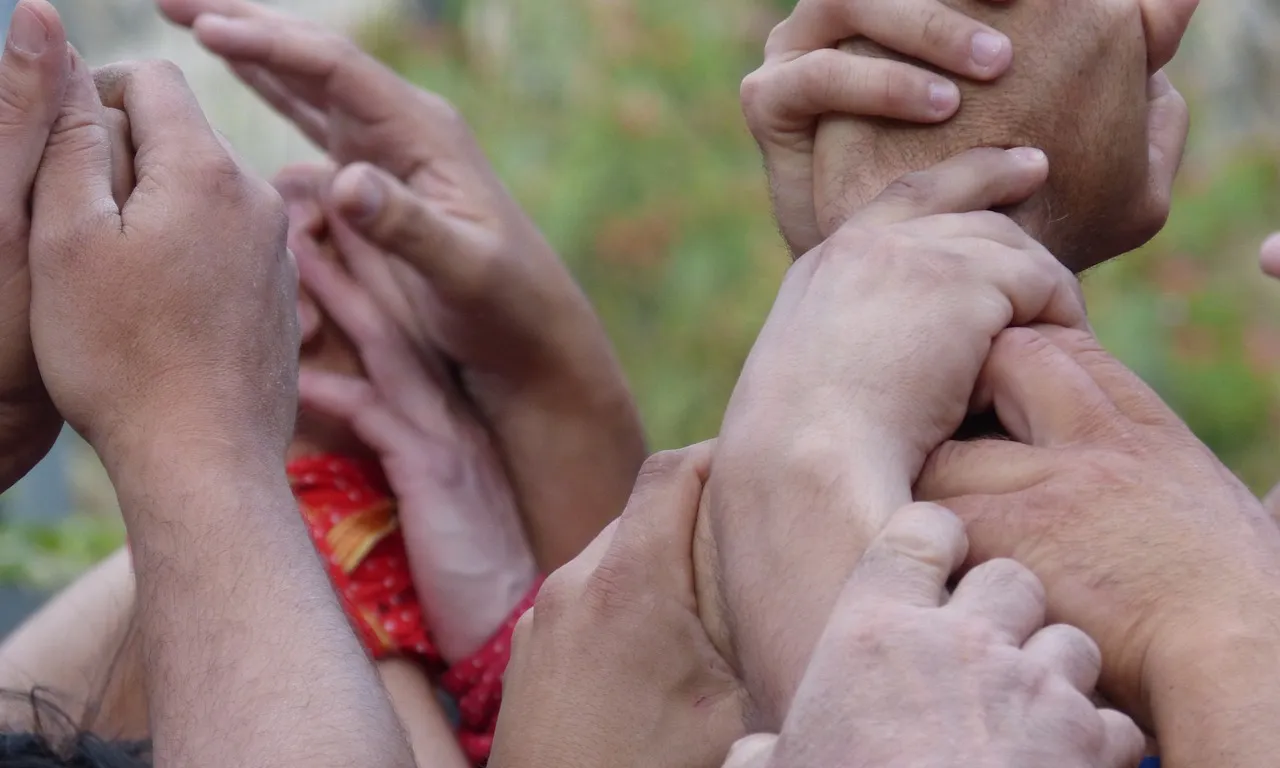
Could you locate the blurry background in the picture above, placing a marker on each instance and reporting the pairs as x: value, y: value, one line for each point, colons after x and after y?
x: 616, y: 123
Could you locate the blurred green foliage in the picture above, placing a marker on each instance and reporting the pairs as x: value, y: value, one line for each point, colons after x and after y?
x: 616, y: 123
x: 49, y: 555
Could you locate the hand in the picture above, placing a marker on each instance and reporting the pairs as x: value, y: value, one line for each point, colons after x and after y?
x: 33, y: 78
x: 496, y: 299
x: 884, y: 329
x: 173, y: 315
x: 1141, y: 537
x: 904, y: 676
x: 1082, y: 92
x: 805, y: 77
x: 470, y: 563
x: 612, y: 666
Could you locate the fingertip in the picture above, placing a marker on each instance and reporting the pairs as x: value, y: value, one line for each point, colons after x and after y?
x: 358, y: 193
x: 1269, y: 256
x: 991, y: 53
x: 36, y: 30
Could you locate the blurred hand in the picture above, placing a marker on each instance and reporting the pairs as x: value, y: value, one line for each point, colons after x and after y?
x: 904, y: 676
x: 865, y: 365
x: 470, y: 563
x: 1141, y: 537
x: 33, y: 78
x: 612, y: 665
x: 476, y: 278
x: 1081, y: 91
x: 804, y: 76
x: 173, y: 315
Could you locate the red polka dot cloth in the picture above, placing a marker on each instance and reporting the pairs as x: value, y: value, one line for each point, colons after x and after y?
x: 353, y: 521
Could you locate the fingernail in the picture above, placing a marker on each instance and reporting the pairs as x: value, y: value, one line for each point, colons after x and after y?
x: 27, y: 32
x: 944, y: 96
x: 1028, y: 155
x: 987, y: 48
x: 369, y: 197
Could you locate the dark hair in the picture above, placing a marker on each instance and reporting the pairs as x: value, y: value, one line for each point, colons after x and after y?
x: 55, y: 740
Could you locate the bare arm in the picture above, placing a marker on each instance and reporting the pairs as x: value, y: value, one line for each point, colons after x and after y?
x: 82, y: 649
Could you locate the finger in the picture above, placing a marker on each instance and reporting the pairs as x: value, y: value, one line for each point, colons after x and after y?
x: 353, y: 403
x: 1005, y: 595
x: 977, y: 180
x: 122, y: 178
x: 1068, y: 652
x: 389, y: 360
x: 910, y: 561
x: 1168, y: 122
x: 1125, y: 745
x: 1165, y: 22
x: 753, y: 751
x: 392, y: 217
x: 1042, y: 396
x: 923, y: 29
x: 982, y: 467
x: 656, y: 529
x: 303, y: 186
x: 313, y: 123
x: 168, y: 129
x: 74, y: 184
x: 1270, y: 256
x: 791, y: 96
x: 1128, y: 393
x: 33, y: 82
x: 185, y: 12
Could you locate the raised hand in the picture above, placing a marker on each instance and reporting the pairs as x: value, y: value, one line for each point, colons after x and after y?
x: 475, y: 276
x: 1141, y: 537
x: 905, y: 675
x: 613, y: 651
x: 145, y: 318
x: 33, y: 78
x: 470, y: 563
x: 805, y: 76
x: 866, y: 364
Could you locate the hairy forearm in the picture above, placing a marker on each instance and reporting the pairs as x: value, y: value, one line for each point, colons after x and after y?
x: 249, y: 659
x: 573, y: 450
x: 82, y: 650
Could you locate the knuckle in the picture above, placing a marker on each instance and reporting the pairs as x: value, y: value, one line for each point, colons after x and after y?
x: 1010, y: 576
x: 753, y: 94
x: 663, y: 465
x: 914, y: 190
x: 560, y: 591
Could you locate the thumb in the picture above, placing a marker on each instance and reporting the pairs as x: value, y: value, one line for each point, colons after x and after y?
x: 33, y: 81
x: 390, y: 215
x: 755, y: 751
x: 1165, y: 22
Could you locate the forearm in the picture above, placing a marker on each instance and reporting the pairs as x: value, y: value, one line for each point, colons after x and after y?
x: 250, y: 660
x: 82, y: 648
x: 789, y: 522
x: 573, y: 458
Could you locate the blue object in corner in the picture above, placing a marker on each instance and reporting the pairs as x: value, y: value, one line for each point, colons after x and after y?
x: 1150, y: 762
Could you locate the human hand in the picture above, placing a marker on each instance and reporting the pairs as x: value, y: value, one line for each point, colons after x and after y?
x: 474, y: 276
x: 1081, y: 91
x: 805, y: 76
x: 33, y: 78
x: 905, y: 676
x: 1141, y: 537
x: 612, y: 665
x: 470, y: 563
x: 884, y: 329
x: 172, y: 316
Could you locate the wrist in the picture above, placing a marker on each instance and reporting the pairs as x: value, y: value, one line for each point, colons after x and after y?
x: 1212, y: 682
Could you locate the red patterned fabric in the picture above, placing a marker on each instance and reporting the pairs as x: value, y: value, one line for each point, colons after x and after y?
x: 475, y: 684
x: 353, y: 521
